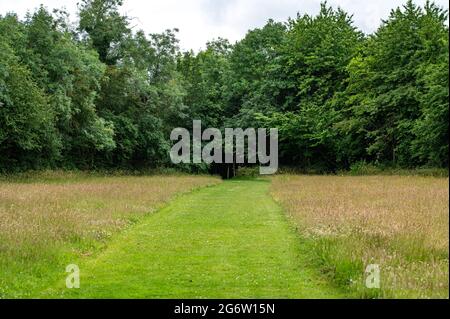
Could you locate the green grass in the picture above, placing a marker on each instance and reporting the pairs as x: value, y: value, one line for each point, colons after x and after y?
x: 399, y: 223
x: 227, y: 241
x: 49, y: 219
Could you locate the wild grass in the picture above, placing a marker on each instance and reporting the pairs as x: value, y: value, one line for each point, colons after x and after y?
x: 227, y: 241
x: 400, y: 223
x: 47, y: 218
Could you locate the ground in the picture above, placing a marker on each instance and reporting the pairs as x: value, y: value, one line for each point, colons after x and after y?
x: 227, y: 241
x: 178, y: 236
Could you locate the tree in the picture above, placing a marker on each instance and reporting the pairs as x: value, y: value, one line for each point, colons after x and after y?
x: 314, y: 59
x: 103, y: 95
x: 430, y: 145
x: 205, y: 78
x: 104, y: 26
x: 70, y: 74
x: 257, y: 82
x: 28, y: 138
x: 389, y: 83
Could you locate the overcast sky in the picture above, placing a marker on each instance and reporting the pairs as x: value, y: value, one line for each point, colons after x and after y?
x: 203, y: 20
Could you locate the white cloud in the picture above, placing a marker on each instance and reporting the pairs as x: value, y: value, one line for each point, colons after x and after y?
x: 203, y: 20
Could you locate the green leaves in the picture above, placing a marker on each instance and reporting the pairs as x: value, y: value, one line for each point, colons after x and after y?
x: 106, y: 27
x: 389, y: 89
x: 27, y: 131
x: 102, y: 95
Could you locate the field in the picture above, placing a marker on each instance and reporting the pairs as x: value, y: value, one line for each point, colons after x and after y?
x: 46, y: 220
x: 212, y: 243
x: 400, y: 223
x: 178, y: 236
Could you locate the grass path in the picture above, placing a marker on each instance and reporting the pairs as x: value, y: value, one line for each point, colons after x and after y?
x: 227, y: 241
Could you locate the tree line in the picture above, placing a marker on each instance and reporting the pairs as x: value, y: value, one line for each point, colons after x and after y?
x: 98, y: 94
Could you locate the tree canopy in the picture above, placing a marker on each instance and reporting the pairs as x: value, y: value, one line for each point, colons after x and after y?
x: 102, y: 95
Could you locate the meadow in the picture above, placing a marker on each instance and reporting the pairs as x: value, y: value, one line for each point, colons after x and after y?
x: 181, y: 236
x: 48, y: 219
x: 400, y: 223
x: 94, y: 89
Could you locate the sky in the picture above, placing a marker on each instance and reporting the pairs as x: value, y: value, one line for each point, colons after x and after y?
x: 202, y: 20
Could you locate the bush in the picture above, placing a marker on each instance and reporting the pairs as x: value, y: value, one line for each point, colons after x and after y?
x: 248, y: 172
x: 362, y: 168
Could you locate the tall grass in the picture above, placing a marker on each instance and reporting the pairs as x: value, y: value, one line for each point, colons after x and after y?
x: 48, y: 219
x: 397, y: 222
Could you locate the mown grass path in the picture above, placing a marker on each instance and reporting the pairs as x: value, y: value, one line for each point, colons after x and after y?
x: 226, y: 241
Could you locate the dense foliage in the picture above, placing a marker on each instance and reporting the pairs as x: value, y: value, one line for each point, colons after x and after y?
x: 100, y: 95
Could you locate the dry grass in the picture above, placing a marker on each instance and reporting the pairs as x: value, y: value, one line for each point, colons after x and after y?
x: 398, y: 222
x: 43, y: 218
